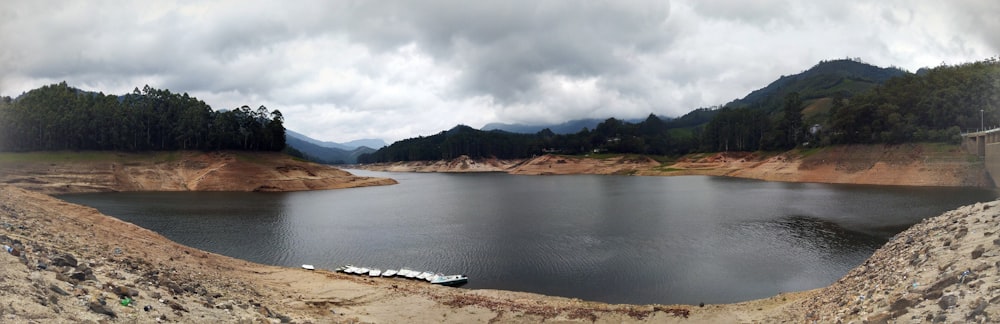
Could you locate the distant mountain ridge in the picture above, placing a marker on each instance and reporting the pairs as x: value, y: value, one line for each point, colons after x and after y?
x: 329, y: 152
x: 368, y: 142
x: 570, y: 127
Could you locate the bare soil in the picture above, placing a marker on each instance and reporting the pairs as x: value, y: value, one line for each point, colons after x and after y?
x: 906, y: 165
x: 55, y: 173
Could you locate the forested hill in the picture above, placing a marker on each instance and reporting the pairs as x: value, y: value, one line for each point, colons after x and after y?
x: 834, y: 102
x: 843, y: 78
x: 59, y: 117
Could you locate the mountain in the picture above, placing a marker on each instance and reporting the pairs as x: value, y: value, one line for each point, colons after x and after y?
x: 845, y: 78
x: 368, y: 142
x: 570, y: 127
x: 319, y: 151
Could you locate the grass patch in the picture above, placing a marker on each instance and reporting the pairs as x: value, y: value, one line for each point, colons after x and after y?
x: 809, y: 152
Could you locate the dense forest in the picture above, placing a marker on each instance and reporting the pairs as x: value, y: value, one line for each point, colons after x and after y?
x: 835, y: 102
x: 59, y: 117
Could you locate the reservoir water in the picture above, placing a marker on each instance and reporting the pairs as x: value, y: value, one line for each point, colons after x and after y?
x: 615, y: 239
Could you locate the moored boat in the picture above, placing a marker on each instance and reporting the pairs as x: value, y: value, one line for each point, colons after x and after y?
x: 425, y: 275
x: 389, y: 273
x: 433, y: 276
x: 452, y: 280
x: 375, y: 273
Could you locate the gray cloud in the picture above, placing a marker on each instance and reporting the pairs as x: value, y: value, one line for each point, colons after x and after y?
x: 345, y: 70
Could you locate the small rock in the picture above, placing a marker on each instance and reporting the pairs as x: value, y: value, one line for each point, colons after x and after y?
x: 97, y: 307
x: 175, y: 306
x: 64, y: 260
x: 948, y: 301
x: 117, y: 251
x: 978, y: 252
x: 935, y: 290
x: 962, y: 232
x: 58, y: 290
x: 78, y: 276
x: 900, y: 307
x: 63, y: 277
x: 174, y: 287
x: 879, y: 319
x: 125, y: 291
x: 263, y: 310
x: 978, y: 309
x: 41, y: 265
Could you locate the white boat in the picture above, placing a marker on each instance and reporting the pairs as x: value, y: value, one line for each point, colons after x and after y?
x: 374, y: 273
x: 349, y: 269
x: 412, y: 274
x: 308, y: 267
x: 452, y: 280
x: 362, y: 271
x: 389, y: 273
x: 425, y: 275
x: 433, y: 277
x: 403, y: 272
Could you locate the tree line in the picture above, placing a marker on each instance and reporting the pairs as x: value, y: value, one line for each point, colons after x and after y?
x: 59, y: 117
x: 933, y: 105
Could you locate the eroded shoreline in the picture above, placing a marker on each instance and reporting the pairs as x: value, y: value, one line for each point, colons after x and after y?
x: 943, y: 268
x: 906, y: 165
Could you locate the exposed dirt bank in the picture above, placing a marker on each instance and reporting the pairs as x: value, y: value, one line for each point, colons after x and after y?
x: 908, y: 164
x: 460, y: 164
x: 176, y: 171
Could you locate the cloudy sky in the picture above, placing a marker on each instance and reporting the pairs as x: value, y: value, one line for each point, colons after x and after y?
x: 346, y: 70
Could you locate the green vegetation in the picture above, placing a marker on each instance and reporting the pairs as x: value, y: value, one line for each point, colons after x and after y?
x: 834, y: 102
x: 58, y: 117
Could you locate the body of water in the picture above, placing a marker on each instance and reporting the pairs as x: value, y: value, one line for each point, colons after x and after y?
x: 617, y: 239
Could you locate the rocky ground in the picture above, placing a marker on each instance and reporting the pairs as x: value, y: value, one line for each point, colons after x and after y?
x: 945, y: 269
